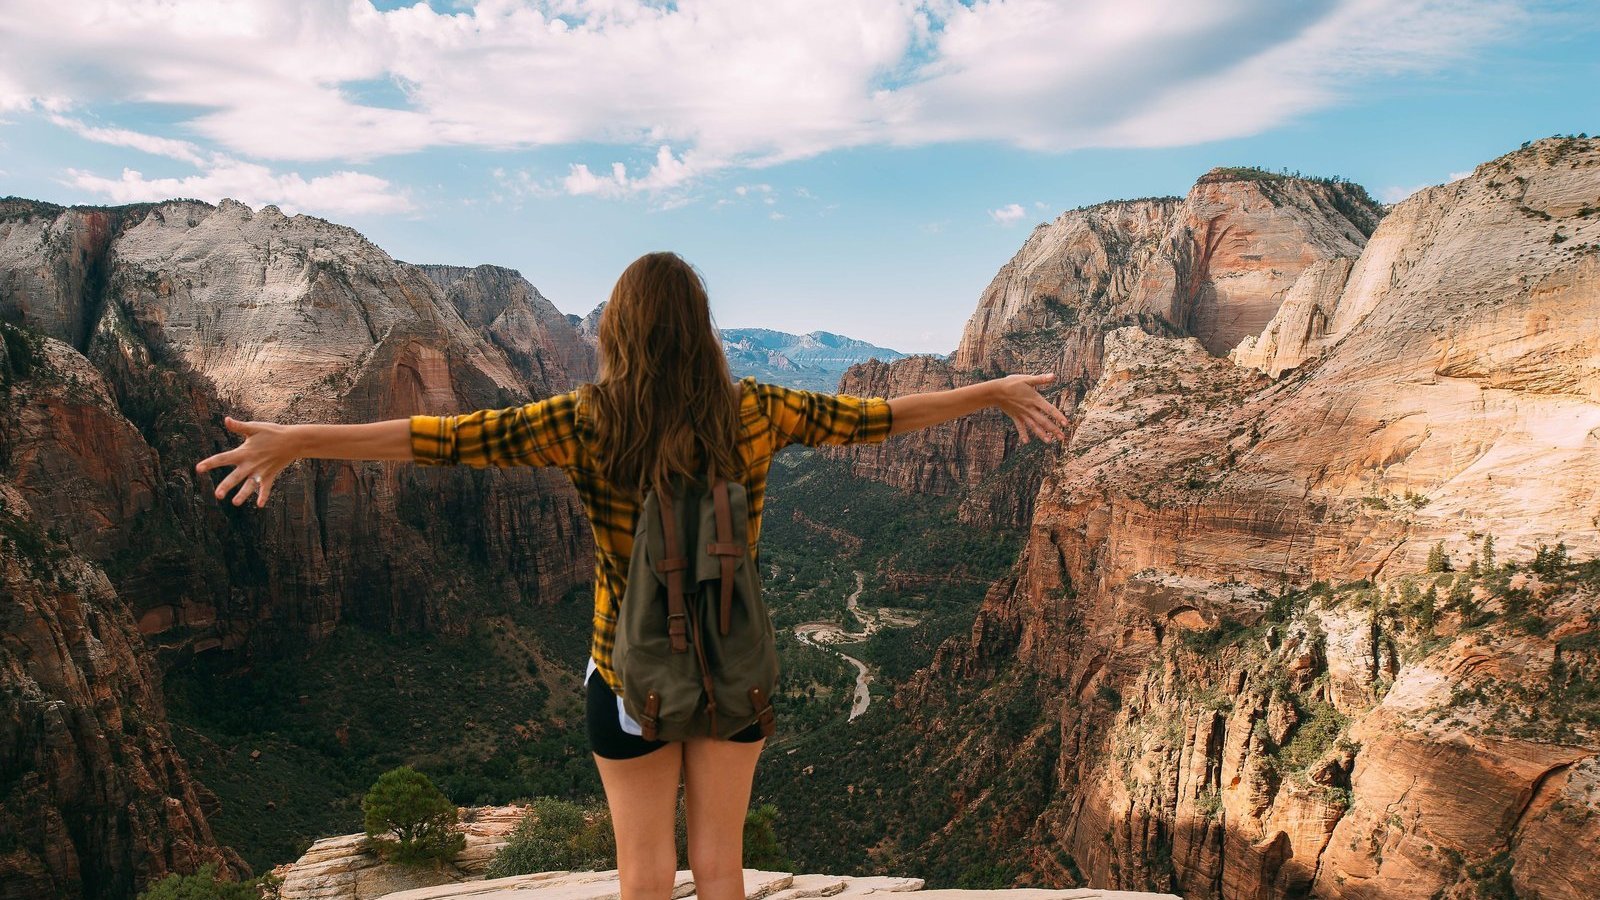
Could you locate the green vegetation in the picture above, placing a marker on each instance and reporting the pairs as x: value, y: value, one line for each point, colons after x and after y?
x: 473, y: 711
x: 558, y: 834
x: 1319, y: 728
x: 915, y: 556
x: 409, y: 821
x: 205, y: 885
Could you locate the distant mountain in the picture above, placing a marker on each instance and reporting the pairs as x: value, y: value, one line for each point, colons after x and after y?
x: 812, y: 361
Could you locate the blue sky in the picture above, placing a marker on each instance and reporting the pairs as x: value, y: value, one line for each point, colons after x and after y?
x: 849, y: 165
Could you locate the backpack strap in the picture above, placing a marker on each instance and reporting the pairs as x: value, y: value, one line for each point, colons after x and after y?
x: 672, y: 566
x: 725, y: 548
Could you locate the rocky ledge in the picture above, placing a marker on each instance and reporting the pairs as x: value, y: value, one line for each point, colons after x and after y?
x: 757, y: 884
x: 339, y: 868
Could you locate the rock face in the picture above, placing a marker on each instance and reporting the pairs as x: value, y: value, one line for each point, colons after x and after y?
x: 141, y: 326
x: 337, y: 869
x: 1216, y: 264
x: 95, y: 799
x: 1230, y: 724
x: 541, y: 342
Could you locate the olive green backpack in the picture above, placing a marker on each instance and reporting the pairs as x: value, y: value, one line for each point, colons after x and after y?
x: 695, y: 647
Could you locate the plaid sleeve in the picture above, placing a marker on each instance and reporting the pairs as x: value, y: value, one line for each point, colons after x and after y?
x: 541, y: 433
x: 812, y: 418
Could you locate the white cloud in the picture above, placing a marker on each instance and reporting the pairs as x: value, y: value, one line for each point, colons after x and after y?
x: 728, y: 83
x: 1009, y: 214
x: 122, y: 137
x: 666, y: 173
x: 339, y: 193
x: 1395, y: 193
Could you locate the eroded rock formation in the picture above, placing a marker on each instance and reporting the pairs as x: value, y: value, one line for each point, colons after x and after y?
x: 1257, y: 689
x: 1216, y: 264
x: 141, y: 326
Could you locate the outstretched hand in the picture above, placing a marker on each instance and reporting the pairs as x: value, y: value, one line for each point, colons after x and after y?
x: 1018, y: 396
x: 266, y: 451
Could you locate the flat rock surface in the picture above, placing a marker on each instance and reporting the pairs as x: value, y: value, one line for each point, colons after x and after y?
x: 759, y: 885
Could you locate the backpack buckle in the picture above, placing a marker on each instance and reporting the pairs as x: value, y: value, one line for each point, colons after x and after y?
x: 648, y: 717
x: 677, y: 630
x: 764, y: 713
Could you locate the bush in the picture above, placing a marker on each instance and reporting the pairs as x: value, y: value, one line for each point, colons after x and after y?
x: 409, y: 820
x: 557, y: 835
x: 202, y: 885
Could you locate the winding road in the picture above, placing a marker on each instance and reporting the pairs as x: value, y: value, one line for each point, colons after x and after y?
x: 826, y: 634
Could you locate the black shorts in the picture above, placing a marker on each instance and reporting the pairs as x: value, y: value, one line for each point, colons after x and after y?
x: 606, y: 736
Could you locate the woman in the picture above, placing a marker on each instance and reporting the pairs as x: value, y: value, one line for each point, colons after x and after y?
x: 664, y: 402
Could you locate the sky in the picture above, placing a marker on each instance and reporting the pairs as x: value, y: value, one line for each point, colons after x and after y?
x: 857, y: 166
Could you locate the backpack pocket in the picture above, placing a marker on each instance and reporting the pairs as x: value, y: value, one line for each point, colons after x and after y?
x: 745, y: 685
x: 661, y: 691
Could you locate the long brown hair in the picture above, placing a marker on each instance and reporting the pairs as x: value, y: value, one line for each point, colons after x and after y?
x: 665, y: 401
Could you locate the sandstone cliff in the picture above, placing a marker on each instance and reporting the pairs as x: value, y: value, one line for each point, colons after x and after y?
x: 94, y: 799
x: 1216, y: 264
x: 148, y: 324
x: 540, y: 341
x: 1256, y: 690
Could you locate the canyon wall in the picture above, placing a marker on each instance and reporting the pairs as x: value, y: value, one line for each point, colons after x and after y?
x: 140, y: 327
x: 1258, y: 686
x: 1216, y: 264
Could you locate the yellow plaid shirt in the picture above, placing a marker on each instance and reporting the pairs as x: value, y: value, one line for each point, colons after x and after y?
x: 550, y: 433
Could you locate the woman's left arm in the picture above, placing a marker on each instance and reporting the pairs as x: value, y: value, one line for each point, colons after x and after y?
x: 1016, y: 395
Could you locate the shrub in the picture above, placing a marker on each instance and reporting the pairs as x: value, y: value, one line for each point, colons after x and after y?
x: 409, y: 820
x: 557, y: 835
x: 202, y: 885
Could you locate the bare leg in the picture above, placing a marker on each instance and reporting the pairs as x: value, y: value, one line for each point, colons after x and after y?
x: 716, y: 784
x: 643, y: 795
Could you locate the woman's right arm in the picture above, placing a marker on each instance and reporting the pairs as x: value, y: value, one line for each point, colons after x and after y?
x: 269, y: 448
x: 541, y: 433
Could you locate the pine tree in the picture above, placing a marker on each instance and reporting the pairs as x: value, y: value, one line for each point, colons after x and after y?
x: 409, y: 820
x: 1438, y: 559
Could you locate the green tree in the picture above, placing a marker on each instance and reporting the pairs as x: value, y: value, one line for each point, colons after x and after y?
x: 202, y: 885
x: 409, y: 820
x: 1438, y: 559
x: 761, y: 850
x: 1486, y: 555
